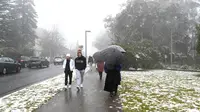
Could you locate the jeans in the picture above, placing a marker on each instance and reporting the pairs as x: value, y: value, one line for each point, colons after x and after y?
x: 80, y: 76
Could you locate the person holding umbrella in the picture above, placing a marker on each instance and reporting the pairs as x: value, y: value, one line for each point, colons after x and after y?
x: 113, y: 56
x: 80, y: 66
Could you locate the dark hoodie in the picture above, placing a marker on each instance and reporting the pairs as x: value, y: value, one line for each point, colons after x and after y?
x: 80, y: 63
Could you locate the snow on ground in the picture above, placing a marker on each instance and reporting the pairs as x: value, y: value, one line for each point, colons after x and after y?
x: 160, y: 91
x: 32, y: 97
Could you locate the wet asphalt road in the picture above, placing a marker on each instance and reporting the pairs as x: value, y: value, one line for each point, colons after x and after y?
x: 15, y: 81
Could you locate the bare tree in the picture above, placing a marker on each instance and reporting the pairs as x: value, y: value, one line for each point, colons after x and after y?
x: 52, y: 43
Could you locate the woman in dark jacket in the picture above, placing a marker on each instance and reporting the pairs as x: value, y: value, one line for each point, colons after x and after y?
x: 113, y: 79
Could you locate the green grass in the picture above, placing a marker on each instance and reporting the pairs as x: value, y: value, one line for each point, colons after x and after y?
x: 163, y: 92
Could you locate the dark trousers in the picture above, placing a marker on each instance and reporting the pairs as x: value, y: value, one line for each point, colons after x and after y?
x: 100, y: 75
x: 116, y: 88
x: 68, y: 74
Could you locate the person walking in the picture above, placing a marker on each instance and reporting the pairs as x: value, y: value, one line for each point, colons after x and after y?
x: 113, y: 79
x: 80, y: 66
x: 90, y: 61
x: 68, y: 66
x: 100, y: 68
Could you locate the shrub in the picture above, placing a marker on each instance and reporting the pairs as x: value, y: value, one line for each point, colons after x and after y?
x: 185, y: 67
x: 148, y: 56
x: 159, y: 66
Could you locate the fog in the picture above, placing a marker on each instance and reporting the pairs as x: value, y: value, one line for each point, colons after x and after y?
x: 74, y: 17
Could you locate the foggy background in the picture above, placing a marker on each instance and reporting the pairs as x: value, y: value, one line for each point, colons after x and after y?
x: 72, y: 18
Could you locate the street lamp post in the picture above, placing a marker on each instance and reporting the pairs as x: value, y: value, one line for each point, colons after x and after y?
x: 171, y: 60
x: 87, y: 31
x: 152, y: 32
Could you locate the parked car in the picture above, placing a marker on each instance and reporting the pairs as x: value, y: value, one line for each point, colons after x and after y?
x: 24, y: 61
x: 38, y: 62
x: 58, y: 61
x: 9, y: 65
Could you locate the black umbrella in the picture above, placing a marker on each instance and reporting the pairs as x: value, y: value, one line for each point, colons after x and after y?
x: 118, y: 48
x: 112, y: 56
x: 97, y: 57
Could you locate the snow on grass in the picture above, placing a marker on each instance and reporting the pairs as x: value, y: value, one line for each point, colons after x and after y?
x: 30, y: 98
x: 160, y: 91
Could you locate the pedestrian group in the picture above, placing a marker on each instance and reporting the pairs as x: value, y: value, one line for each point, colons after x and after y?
x: 113, y: 76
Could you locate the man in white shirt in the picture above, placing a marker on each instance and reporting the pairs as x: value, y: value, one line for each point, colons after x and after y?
x: 68, y: 66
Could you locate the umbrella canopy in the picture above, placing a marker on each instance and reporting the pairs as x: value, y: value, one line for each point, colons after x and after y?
x: 118, y: 48
x: 98, y: 57
x: 112, y: 57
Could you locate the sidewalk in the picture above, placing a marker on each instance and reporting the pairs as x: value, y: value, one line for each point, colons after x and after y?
x: 91, y: 98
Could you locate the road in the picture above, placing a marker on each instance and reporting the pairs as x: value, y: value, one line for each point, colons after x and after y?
x: 13, y: 82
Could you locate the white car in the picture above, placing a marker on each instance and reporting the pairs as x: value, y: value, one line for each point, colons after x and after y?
x: 58, y: 61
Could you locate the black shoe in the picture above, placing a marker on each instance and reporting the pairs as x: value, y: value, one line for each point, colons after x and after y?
x: 78, y: 88
x: 111, y: 94
x: 115, y: 94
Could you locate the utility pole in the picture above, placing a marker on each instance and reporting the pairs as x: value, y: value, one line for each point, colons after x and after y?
x: 50, y: 55
x: 171, y: 48
x: 142, y: 36
x: 152, y: 35
x: 194, y: 50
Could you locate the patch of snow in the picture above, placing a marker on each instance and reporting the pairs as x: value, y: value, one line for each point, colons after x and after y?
x: 160, y: 89
x: 193, y: 110
x: 32, y: 97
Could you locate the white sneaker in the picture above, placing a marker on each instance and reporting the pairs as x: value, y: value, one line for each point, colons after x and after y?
x: 81, y: 85
x: 69, y: 86
x: 66, y: 87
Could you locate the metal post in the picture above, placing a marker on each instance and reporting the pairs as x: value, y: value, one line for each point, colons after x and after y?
x: 152, y: 35
x: 142, y: 36
x: 86, y: 44
x: 171, y: 48
x: 50, y: 55
x: 194, y: 44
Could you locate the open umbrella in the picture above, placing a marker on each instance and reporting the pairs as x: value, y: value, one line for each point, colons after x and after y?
x: 112, y: 56
x: 97, y: 57
x: 118, y: 48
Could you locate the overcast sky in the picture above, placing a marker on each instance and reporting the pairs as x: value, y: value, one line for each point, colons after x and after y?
x: 73, y: 17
